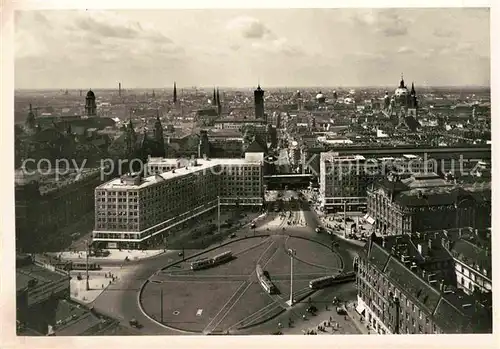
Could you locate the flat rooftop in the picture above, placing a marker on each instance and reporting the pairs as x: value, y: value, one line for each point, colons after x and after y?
x: 30, y: 272
x: 335, y: 157
x: 201, y: 165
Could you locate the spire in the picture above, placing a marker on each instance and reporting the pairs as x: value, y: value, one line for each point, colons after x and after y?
x: 218, y: 97
x: 31, y: 108
x: 413, y: 89
x: 402, y: 82
x: 175, y: 92
x: 214, y: 99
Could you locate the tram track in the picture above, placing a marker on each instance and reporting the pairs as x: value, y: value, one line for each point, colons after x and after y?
x: 225, y: 310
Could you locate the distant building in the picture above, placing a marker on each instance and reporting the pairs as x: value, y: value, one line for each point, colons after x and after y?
x: 320, y: 98
x: 406, y: 285
x: 90, y: 105
x: 426, y: 202
x: 236, y: 124
x: 343, y: 180
x: 225, y: 143
x: 258, y: 95
x: 133, y: 211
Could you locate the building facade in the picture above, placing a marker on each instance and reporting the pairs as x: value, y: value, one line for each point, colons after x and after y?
x: 132, y: 209
x: 47, y: 205
x: 343, y: 180
x: 405, y: 286
x: 426, y: 202
x: 473, y: 261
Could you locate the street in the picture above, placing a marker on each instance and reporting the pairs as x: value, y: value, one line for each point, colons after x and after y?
x: 120, y: 299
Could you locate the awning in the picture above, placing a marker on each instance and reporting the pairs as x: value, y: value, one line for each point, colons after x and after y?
x: 370, y: 220
x: 360, y: 308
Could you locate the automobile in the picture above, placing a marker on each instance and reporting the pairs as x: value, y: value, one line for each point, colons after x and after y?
x: 180, y: 254
x: 134, y: 323
x: 232, y: 236
x: 311, y: 309
x: 341, y: 310
x: 253, y: 226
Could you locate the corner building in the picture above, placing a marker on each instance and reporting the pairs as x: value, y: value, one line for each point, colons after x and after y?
x: 133, y: 210
x: 406, y: 285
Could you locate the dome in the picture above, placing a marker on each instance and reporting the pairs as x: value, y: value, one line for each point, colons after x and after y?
x: 320, y: 95
x: 90, y: 94
x: 401, y: 91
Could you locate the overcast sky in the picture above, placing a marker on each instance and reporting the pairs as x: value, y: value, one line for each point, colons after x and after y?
x: 283, y: 47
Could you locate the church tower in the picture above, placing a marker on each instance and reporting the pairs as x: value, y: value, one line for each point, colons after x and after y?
x: 203, y: 145
x: 412, y: 103
x: 130, y: 139
x: 219, y: 105
x: 158, y: 136
x: 30, y: 125
x: 90, y: 105
x: 214, y: 99
x: 175, y: 93
x: 258, y: 95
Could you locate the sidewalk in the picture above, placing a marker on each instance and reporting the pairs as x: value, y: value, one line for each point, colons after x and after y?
x: 98, y: 282
x: 339, y: 324
x: 115, y: 255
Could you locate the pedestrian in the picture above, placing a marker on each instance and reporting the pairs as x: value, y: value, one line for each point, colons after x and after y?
x: 102, y: 286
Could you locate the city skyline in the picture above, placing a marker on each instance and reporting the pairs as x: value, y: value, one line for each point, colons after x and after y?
x: 239, y: 48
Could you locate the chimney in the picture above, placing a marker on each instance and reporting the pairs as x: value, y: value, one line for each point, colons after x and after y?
x: 441, y: 285
x: 383, y: 241
x: 429, y: 244
x: 423, y: 274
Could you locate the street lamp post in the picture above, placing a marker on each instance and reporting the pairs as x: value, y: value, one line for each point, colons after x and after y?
x: 218, y: 215
x: 291, y: 252
x: 87, y: 252
x: 345, y: 216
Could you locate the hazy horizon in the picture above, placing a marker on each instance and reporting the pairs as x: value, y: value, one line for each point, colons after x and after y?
x: 77, y: 49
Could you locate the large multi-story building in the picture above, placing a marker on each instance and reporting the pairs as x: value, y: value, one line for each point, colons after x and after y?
x: 132, y: 209
x: 343, y: 180
x: 47, y: 204
x: 425, y: 202
x: 406, y: 285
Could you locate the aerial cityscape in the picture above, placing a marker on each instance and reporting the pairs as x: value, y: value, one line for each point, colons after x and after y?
x: 229, y: 172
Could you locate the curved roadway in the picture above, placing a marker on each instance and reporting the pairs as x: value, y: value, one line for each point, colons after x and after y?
x: 121, y: 299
